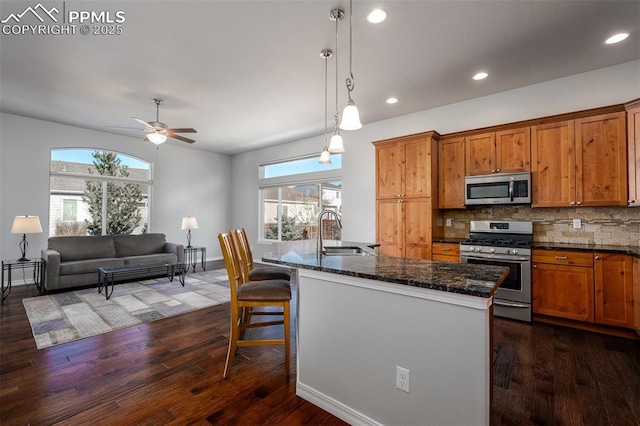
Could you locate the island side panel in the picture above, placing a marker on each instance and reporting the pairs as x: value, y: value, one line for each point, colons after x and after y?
x: 352, y: 333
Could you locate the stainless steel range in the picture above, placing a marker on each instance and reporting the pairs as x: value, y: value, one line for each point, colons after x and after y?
x: 504, y: 243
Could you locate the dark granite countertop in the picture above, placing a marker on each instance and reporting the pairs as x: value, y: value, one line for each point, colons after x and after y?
x: 473, y: 280
x: 632, y: 250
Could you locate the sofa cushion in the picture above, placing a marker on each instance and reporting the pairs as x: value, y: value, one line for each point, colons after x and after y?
x: 150, y: 258
x: 136, y: 245
x: 90, y: 265
x: 81, y: 248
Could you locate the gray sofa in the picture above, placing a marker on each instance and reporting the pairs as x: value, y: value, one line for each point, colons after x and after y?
x: 74, y: 261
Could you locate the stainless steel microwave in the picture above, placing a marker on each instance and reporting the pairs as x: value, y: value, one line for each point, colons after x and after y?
x: 506, y: 188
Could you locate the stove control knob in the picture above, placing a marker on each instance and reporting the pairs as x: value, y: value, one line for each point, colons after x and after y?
x: 492, y: 250
x: 514, y: 251
x: 506, y: 251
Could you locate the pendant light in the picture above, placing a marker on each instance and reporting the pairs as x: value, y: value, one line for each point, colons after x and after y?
x: 350, y: 115
x: 325, y: 156
x: 336, y: 145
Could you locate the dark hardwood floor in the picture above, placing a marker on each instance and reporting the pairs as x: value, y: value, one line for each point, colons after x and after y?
x: 170, y: 372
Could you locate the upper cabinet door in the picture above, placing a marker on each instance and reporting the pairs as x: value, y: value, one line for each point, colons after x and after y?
x: 451, y: 172
x: 389, y: 170
x: 601, y: 160
x: 513, y: 150
x: 418, y: 167
x: 481, y: 154
x: 553, y: 165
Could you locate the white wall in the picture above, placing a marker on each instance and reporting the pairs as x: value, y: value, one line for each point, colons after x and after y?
x: 187, y: 181
x: 607, y: 86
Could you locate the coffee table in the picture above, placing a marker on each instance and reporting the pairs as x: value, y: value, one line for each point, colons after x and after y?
x: 110, y: 275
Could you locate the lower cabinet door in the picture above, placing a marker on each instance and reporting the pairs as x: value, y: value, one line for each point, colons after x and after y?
x: 614, y: 289
x: 563, y: 291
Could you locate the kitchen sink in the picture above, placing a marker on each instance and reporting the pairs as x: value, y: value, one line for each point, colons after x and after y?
x: 347, y: 251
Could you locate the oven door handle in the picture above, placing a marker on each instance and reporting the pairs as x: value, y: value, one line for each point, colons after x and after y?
x: 516, y: 259
x: 510, y: 304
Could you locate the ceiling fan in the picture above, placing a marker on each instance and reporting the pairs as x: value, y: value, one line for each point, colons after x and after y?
x: 158, y: 132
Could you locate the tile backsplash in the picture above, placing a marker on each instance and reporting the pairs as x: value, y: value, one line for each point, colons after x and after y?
x: 600, y: 225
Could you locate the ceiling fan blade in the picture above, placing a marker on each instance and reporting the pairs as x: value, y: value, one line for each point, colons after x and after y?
x: 144, y: 123
x: 183, y: 130
x: 180, y: 138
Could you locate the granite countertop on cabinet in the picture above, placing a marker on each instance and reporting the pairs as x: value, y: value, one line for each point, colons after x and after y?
x: 473, y: 280
x: 632, y: 250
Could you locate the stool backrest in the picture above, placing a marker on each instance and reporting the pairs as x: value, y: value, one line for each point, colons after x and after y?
x: 246, y: 257
x: 231, y: 262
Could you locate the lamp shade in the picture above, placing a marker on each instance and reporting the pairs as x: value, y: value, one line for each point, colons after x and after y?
x: 189, y: 222
x: 350, y: 117
x: 26, y: 225
x: 325, y: 157
x: 335, y: 145
x: 157, y: 138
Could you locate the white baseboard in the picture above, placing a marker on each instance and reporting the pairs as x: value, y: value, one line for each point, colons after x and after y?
x: 334, y: 407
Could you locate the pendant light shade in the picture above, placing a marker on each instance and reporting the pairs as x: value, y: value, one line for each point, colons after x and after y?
x: 336, y: 145
x: 157, y: 138
x: 325, y: 156
x: 350, y: 117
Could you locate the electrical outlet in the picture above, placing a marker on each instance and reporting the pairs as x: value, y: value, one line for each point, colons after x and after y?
x: 577, y: 223
x: 402, y: 378
x: 448, y: 222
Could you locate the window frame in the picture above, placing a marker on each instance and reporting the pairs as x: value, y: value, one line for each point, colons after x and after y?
x: 314, y: 177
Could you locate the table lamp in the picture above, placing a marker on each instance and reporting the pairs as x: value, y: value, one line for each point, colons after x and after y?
x: 25, y: 225
x: 189, y: 223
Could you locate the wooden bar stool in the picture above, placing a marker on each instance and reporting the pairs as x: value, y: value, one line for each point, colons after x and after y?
x: 246, y: 296
x: 251, y: 273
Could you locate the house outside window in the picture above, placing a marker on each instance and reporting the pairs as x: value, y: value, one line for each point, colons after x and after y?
x: 97, y: 192
x: 292, y: 195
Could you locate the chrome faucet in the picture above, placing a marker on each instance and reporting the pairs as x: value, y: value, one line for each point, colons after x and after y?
x: 320, y: 216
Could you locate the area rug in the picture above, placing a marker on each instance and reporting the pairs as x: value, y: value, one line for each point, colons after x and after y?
x: 65, y: 317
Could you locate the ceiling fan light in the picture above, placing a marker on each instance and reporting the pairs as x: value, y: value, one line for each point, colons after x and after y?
x: 336, y: 145
x: 350, y: 117
x: 157, y: 138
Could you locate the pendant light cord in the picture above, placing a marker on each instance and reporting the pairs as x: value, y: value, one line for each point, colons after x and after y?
x: 350, y: 80
x: 337, y: 131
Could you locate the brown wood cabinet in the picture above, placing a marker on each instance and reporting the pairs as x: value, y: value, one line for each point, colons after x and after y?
x: 562, y: 284
x: 446, y: 252
x: 451, y: 172
x: 506, y: 151
x: 633, y: 143
x: 636, y: 293
x: 580, y: 162
x: 584, y: 286
x: 614, y: 289
x: 407, y: 215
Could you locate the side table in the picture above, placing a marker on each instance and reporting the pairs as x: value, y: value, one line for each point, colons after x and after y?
x: 39, y: 266
x: 191, y: 255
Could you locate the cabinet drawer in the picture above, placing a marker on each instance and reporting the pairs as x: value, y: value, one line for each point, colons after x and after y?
x: 563, y: 257
x: 446, y: 249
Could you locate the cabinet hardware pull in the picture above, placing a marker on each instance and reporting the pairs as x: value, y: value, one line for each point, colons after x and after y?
x: 573, y: 203
x: 446, y: 249
x: 535, y: 266
x: 597, y: 257
x: 561, y: 257
x: 498, y: 170
x: 579, y: 202
x: 493, y: 170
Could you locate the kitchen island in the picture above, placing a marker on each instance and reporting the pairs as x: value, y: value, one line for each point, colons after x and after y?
x: 360, y: 317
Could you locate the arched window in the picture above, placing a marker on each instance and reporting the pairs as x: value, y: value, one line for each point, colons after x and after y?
x: 98, y: 192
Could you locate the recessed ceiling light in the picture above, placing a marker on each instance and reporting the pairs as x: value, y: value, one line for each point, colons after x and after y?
x: 392, y: 100
x: 616, y: 38
x: 480, y: 76
x: 376, y: 16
